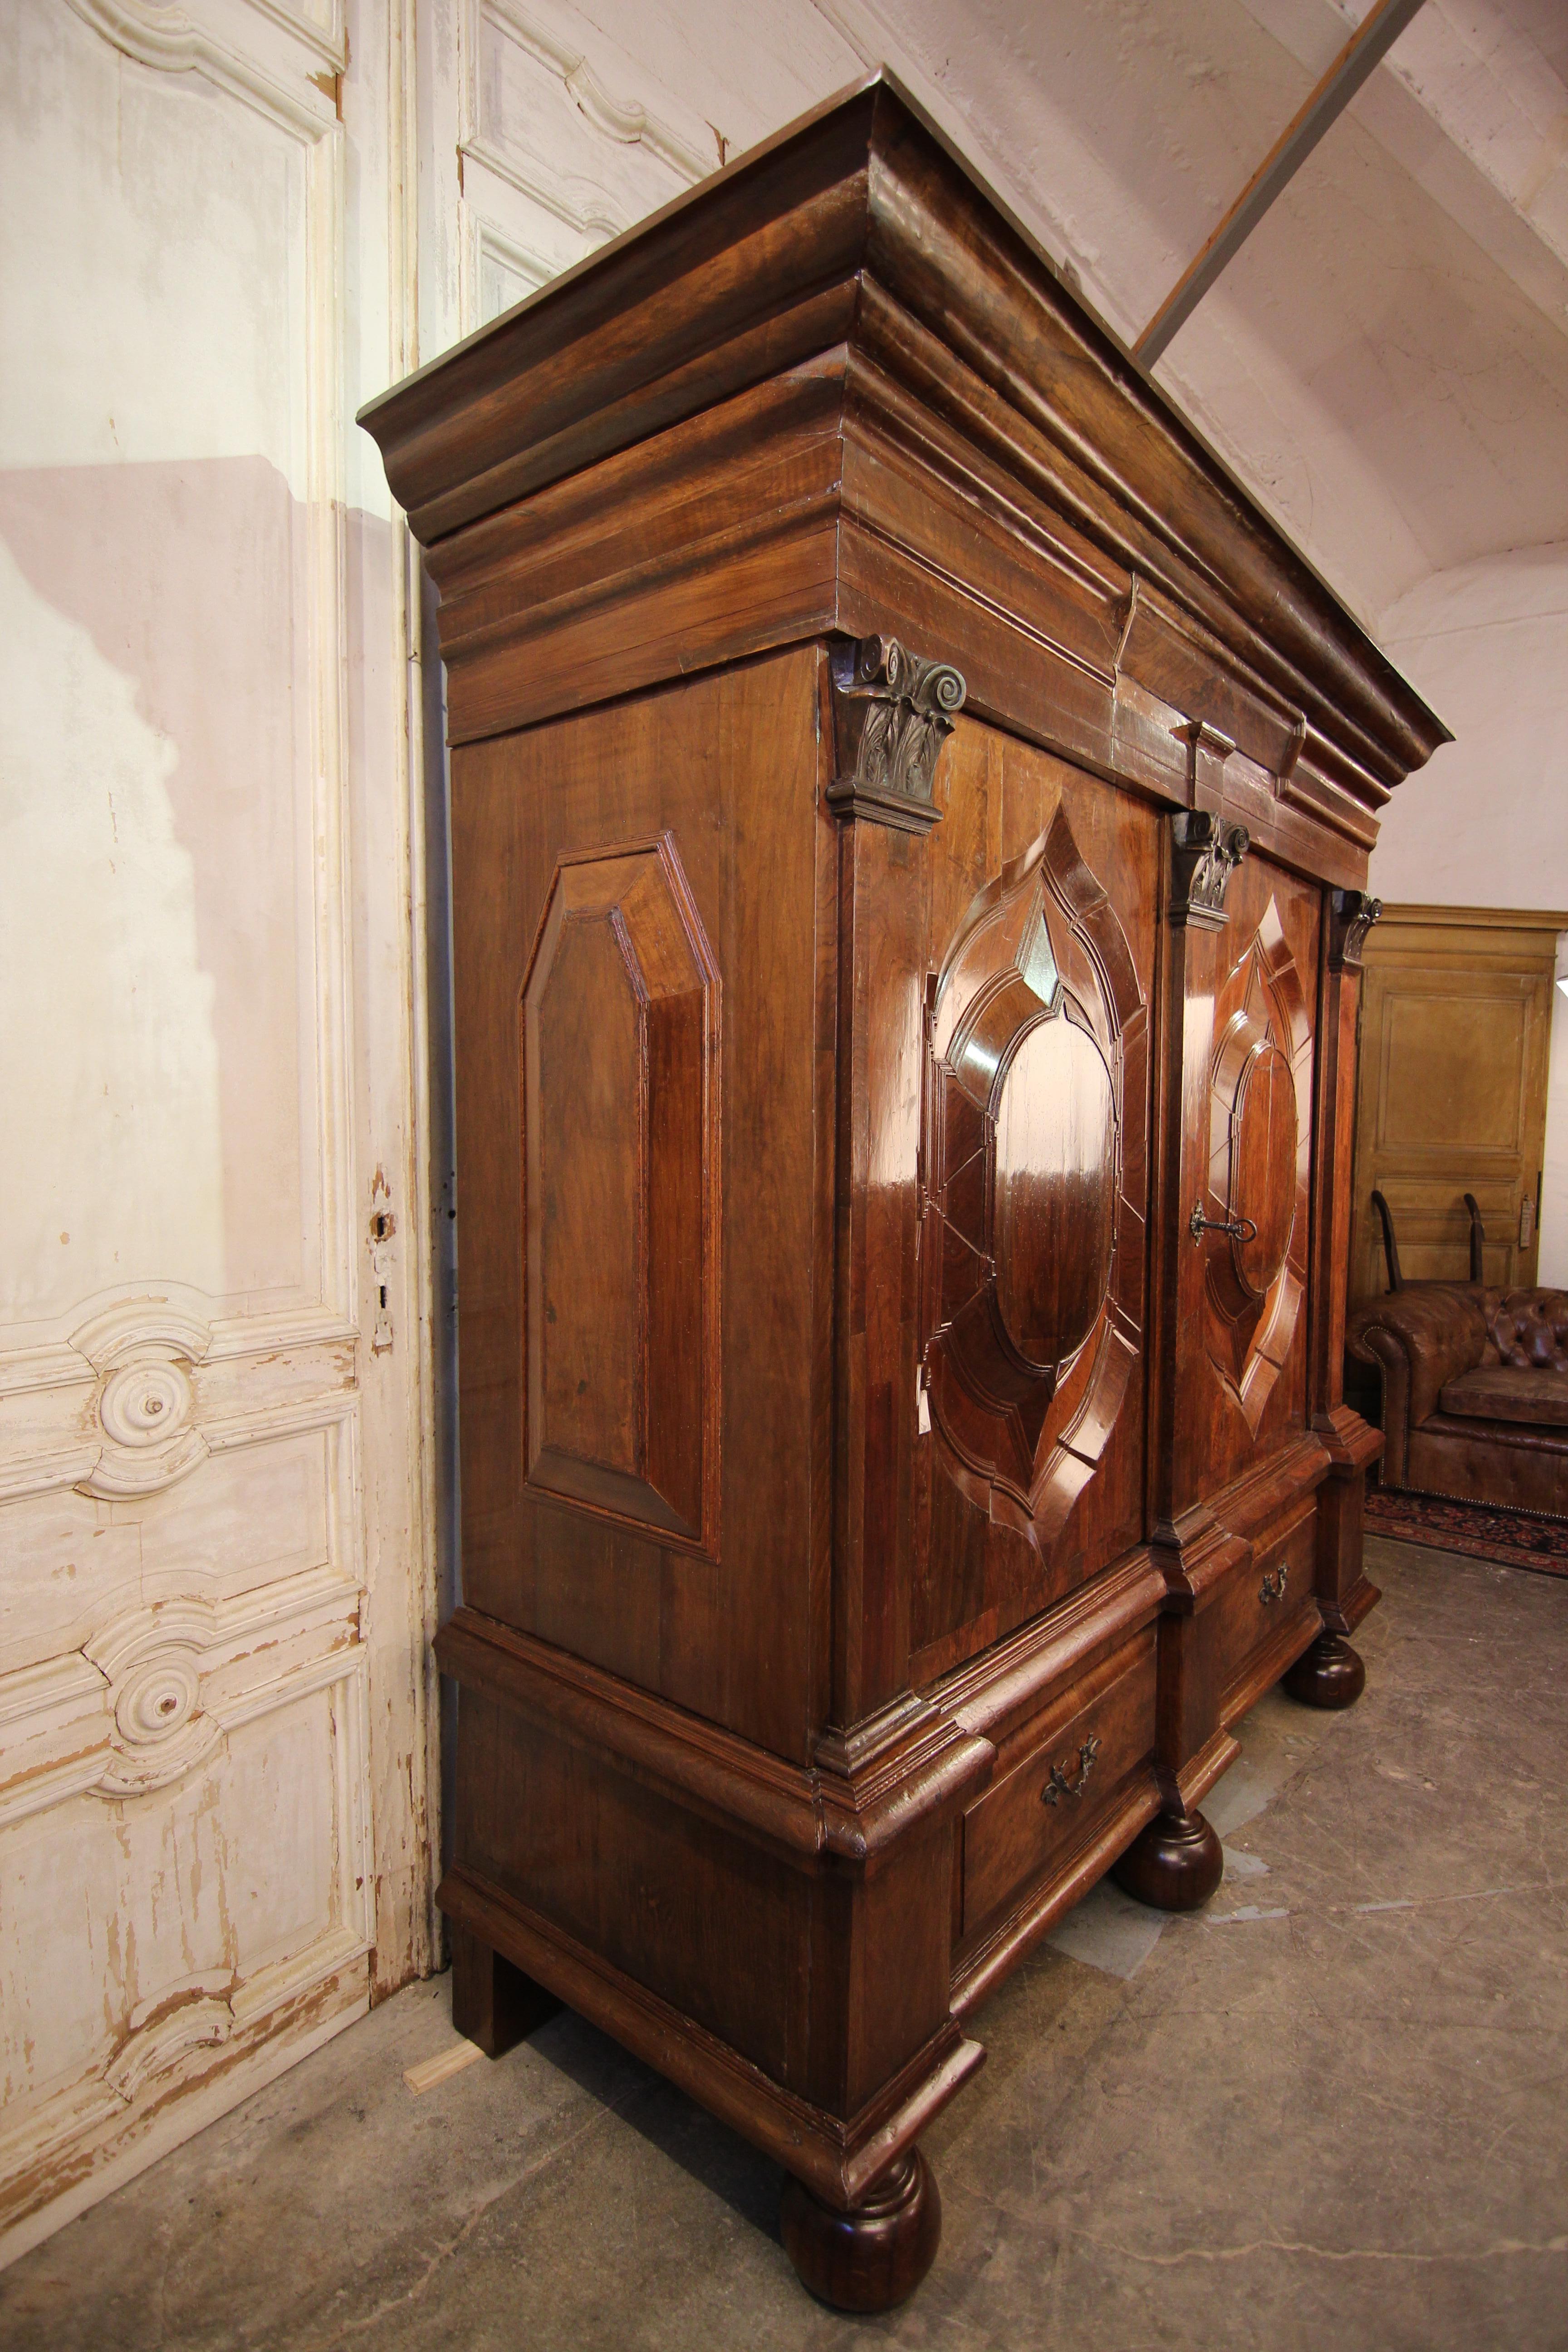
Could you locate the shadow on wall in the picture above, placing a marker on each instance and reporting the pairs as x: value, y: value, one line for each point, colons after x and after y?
x: 155, y: 885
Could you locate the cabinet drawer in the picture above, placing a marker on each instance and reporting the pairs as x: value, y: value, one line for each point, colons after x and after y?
x: 1258, y: 1602
x: 1075, y: 1759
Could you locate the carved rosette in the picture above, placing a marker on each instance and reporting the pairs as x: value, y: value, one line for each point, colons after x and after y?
x: 1352, y: 914
x: 1034, y: 1161
x: 1259, y: 1169
x: 893, y: 711
x: 1205, y: 851
x: 153, y: 1661
x: 144, y: 1352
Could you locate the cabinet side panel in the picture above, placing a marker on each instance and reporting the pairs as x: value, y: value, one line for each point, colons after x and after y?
x: 634, y: 915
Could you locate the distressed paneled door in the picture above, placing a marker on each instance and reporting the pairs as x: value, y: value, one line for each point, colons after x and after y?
x: 214, y: 1529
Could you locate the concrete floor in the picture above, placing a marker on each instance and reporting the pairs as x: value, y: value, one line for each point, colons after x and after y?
x: 1330, y: 2112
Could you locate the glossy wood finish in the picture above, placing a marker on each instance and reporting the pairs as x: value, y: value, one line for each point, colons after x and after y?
x: 711, y: 1612
x: 900, y: 792
x: 1175, y: 1864
x: 621, y: 1112
x: 872, y: 2259
x: 1330, y: 1675
x: 1030, y: 1480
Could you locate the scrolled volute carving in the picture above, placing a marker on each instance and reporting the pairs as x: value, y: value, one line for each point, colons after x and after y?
x: 1352, y: 914
x: 893, y: 710
x: 1205, y: 851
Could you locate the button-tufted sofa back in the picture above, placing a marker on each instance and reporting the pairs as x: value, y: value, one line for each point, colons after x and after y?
x: 1529, y: 1328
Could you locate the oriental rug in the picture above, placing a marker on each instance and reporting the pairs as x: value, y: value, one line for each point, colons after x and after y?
x: 1513, y: 1538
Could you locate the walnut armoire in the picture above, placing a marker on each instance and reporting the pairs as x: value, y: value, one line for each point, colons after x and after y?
x: 909, y: 830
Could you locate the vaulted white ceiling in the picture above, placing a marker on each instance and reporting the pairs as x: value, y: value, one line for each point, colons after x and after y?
x: 1386, y: 363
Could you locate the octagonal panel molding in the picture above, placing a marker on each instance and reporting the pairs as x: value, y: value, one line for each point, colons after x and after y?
x: 143, y: 1350
x: 1033, y: 1158
x: 620, y: 1106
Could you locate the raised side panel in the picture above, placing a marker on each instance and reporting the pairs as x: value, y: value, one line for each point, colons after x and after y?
x: 665, y: 847
x: 620, y: 1117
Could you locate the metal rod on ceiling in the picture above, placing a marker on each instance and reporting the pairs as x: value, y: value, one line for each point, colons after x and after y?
x: 1371, y: 40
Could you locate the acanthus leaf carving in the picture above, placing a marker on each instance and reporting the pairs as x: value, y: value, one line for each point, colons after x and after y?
x: 1352, y: 914
x: 893, y: 710
x: 1206, y: 850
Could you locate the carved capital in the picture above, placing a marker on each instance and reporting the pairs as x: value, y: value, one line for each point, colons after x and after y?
x: 892, y: 712
x: 1205, y: 851
x: 1352, y: 914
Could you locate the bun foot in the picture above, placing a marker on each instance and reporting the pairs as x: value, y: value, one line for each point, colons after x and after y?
x: 876, y: 2257
x: 1175, y: 1863
x: 1330, y: 1674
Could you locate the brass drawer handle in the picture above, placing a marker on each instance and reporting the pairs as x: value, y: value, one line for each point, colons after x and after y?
x: 1240, y: 1229
x: 1272, y: 1588
x: 1058, y: 1785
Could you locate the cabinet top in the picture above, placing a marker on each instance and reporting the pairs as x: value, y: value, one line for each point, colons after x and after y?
x: 858, y: 236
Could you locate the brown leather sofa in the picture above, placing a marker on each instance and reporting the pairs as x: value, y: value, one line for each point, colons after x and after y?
x: 1475, y: 1391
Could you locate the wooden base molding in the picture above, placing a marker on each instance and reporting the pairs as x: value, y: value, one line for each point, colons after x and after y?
x: 909, y: 827
x: 839, y: 2160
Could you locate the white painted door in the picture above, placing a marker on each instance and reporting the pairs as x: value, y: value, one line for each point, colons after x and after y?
x: 224, y: 224
x: 215, y: 1525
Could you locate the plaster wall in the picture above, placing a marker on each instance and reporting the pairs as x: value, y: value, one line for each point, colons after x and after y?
x: 1485, y: 824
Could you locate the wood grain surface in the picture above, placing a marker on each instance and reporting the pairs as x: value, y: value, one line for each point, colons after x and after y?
x: 907, y: 817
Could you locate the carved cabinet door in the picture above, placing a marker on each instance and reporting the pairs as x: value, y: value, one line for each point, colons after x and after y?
x: 1034, y: 1178
x: 1243, y: 1210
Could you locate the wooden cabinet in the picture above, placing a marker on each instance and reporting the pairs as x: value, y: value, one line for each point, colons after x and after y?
x: 909, y: 824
